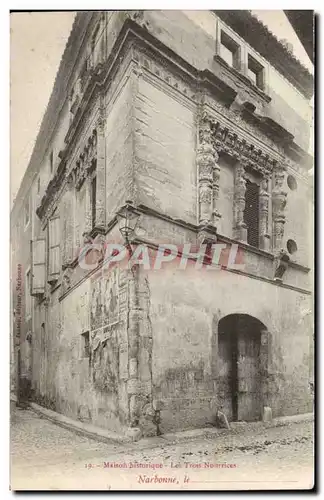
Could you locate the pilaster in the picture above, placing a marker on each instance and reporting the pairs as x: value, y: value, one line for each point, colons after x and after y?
x: 279, y: 201
x: 208, y: 176
x: 264, y: 214
x: 101, y: 174
x: 240, y: 228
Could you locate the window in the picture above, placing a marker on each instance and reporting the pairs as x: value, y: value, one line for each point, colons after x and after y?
x: 27, y: 294
x: 54, y: 256
x: 27, y: 212
x: 251, y: 213
x: 51, y: 161
x: 93, y: 200
x: 85, y: 339
x: 230, y: 51
x: 292, y: 183
x: 255, y: 72
x: 38, y: 251
x: 38, y: 185
x: 292, y: 246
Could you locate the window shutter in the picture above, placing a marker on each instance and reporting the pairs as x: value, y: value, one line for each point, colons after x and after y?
x: 38, y: 248
x: 54, y: 249
x: 251, y: 213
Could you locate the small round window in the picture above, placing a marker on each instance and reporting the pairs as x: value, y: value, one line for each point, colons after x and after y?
x: 292, y: 183
x: 291, y: 246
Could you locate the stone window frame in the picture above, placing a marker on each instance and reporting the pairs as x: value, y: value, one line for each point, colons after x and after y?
x: 254, y: 66
x: 85, y: 344
x: 244, y: 52
x: 232, y: 46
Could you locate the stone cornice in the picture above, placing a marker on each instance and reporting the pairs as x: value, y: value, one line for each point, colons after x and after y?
x: 236, y: 271
x: 224, y: 69
x: 231, y: 142
x: 144, y: 209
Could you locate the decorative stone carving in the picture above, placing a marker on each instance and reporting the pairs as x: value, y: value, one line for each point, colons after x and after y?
x: 66, y: 279
x: 215, y: 188
x: 264, y: 215
x: 240, y: 229
x: 86, y: 161
x: 229, y: 142
x: 279, y: 201
x: 101, y: 173
x: 205, y: 164
x: 68, y: 223
x: 281, y: 265
x: 88, y: 207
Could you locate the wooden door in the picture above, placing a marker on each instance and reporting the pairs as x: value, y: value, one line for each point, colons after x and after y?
x: 248, y: 372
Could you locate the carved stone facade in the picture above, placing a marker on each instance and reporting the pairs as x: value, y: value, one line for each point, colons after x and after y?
x: 216, y: 139
x: 279, y: 201
x: 156, y: 128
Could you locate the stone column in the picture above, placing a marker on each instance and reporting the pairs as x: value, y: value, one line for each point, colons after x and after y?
x: 68, y: 226
x: 264, y: 214
x: 279, y: 201
x: 216, y: 175
x: 101, y: 175
x: 142, y: 415
x: 240, y: 229
x: 88, y: 207
x: 206, y: 165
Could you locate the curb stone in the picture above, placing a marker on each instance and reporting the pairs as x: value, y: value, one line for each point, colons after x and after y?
x: 103, y: 435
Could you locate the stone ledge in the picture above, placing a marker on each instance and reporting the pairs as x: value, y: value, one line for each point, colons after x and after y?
x: 88, y: 430
x: 102, y: 435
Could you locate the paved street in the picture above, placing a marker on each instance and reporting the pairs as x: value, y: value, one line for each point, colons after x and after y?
x: 47, y: 456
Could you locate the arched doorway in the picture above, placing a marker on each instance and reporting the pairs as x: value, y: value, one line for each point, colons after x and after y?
x: 242, y: 357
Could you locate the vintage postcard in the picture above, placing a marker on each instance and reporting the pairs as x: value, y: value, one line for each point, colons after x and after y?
x: 162, y: 324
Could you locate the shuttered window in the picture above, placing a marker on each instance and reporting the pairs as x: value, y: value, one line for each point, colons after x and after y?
x: 54, y: 255
x: 38, y: 252
x: 251, y: 213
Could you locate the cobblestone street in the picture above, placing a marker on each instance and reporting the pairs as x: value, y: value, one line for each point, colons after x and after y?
x: 47, y: 456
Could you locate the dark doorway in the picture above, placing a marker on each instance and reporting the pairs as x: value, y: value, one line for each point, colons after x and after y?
x: 239, y: 337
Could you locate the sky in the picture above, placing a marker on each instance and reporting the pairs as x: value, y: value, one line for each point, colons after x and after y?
x: 38, y: 40
x: 37, y: 43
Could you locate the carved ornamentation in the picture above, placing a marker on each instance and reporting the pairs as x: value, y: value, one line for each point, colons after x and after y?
x: 154, y: 66
x: 67, y: 279
x: 264, y: 215
x: 279, y: 201
x: 86, y: 161
x: 100, y: 221
x: 227, y: 141
x: 281, y: 264
x: 205, y: 164
x: 240, y: 229
x: 237, y: 120
x: 68, y: 222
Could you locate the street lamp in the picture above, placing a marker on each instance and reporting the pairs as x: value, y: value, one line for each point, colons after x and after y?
x: 127, y: 218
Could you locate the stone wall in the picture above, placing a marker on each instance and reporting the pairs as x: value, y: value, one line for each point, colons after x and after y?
x: 165, y: 138
x: 86, y: 386
x: 186, y: 307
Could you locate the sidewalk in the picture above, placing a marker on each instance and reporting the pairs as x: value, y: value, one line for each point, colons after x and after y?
x: 102, y: 435
x: 47, y: 455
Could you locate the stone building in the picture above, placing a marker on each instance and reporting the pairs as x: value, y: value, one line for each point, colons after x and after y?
x: 198, y: 123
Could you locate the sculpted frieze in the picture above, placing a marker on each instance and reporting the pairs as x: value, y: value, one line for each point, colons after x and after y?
x: 228, y: 141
